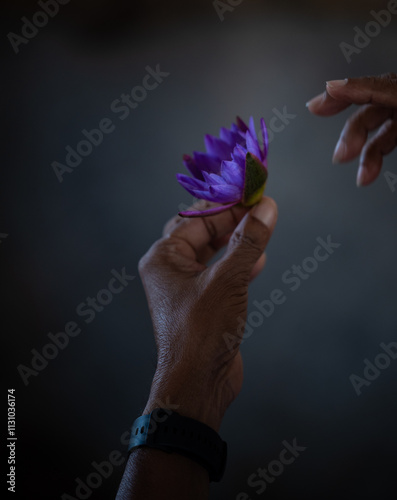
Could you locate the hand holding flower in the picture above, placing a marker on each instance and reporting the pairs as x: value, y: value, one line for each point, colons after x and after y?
x: 193, y: 306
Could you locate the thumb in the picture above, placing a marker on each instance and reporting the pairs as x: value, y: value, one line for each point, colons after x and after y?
x: 249, y: 239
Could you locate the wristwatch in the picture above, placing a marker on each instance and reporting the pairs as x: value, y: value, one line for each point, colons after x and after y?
x: 169, y: 431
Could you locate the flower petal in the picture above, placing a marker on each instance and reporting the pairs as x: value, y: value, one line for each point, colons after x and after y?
x: 232, y: 137
x: 209, y: 211
x: 226, y: 135
x: 202, y: 194
x: 233, y: 170
x: 252, y: 144
x: 238, y: 155
x: 265, y: 138
x: 191, y: 182
x: 190, y: 164
x: 213, y: 179
x: 232, y: 173
x: 241, y: 125
x: 218, y: 148
x: 206, y: 195
x: 207, y: 162
x: 226, y: 193
x: 251, y: 128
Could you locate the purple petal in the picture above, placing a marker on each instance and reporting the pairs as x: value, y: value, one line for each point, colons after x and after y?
x: 191, y: 182
x: 207, y: 162
x: 232, y: 137
x: 210, y: 211
x: 238, y: 155
x: 191, y: 190
x: 219, y: 175
x: 226, y: 194
x: 213, y: 179
x: 198, y: 193
x: 241, y: 125
x: 252, y: 128
x: 232, y: 173
x: 190, y: 164
x: 265, y: 138
x: 226, y: 135
x: 252, y: 144
x: 205, y: 195
x: 218, y: 148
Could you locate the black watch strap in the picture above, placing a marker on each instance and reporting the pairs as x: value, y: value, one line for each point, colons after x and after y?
x: 168, y: 431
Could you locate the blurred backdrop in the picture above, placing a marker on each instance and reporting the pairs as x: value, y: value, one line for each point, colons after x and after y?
x: 60, y: 242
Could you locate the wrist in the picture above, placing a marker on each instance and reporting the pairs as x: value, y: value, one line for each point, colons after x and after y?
x: 188, y: 393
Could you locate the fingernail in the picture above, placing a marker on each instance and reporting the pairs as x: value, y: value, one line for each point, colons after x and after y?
x: 265, y: 212
x: 340, y: 151
x: 336, y: 84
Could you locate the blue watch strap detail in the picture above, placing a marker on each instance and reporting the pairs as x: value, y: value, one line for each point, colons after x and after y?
x: 170, y: 432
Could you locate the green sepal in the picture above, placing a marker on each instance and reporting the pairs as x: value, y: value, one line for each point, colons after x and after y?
x: 255, y: 180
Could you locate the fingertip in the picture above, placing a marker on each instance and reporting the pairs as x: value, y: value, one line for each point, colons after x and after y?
x: 315, y: 103
x: 362, y: 176
x: 366, y: 175
x: 335, y: 85
x: 340, y: 152
x: 266, y: 211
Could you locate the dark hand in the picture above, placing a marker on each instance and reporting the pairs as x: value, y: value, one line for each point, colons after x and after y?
x: 192, y: 305
x: 378, y: 99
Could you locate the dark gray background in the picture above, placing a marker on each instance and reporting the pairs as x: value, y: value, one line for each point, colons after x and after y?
x: 64, y: 239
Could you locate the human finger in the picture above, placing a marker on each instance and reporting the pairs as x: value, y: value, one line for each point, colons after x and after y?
x: 205, y: 235
x: 372, y: 154
x: 248, y: 242
x: 377, y: 90
x: 325, y: 105
x: 355, y: 132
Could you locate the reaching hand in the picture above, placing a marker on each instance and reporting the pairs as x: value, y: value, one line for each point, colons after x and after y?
x: 377, y: 97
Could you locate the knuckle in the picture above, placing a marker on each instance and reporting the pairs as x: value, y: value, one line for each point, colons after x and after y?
x: 147, y: 261
x: 172, y: 224
x: 248, y: 243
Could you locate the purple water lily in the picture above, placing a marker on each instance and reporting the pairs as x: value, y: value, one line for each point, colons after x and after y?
x: 232, y: 171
